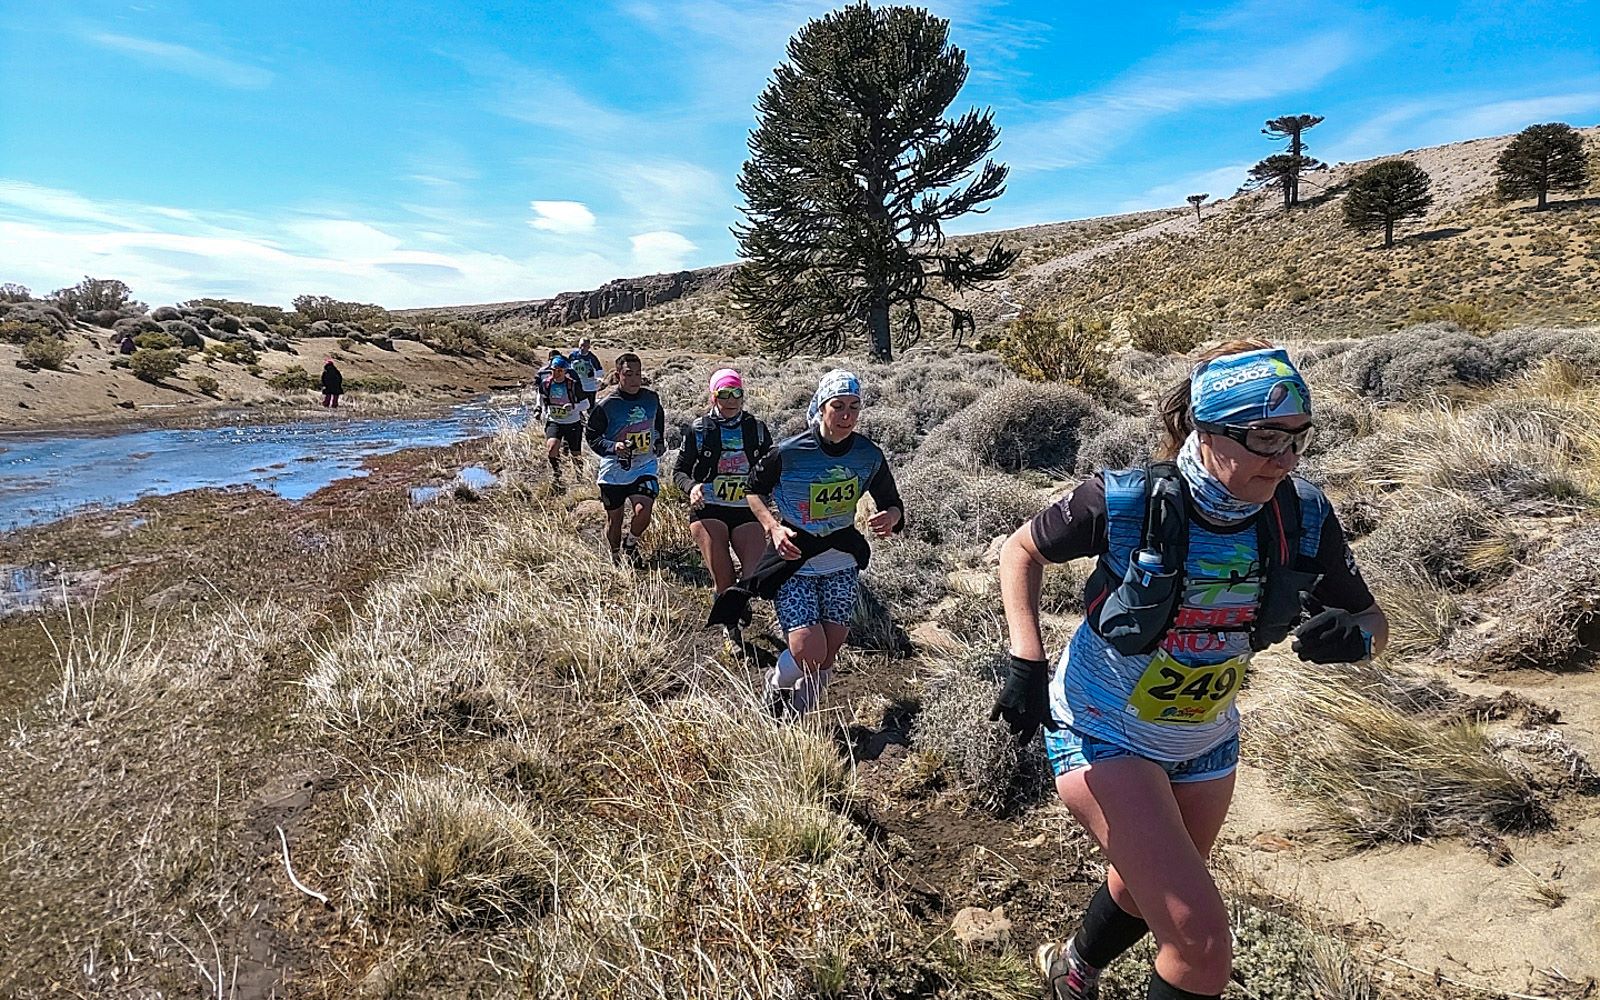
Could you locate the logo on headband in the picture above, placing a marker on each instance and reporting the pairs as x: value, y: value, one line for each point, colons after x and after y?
x: 1266, y: 368
x: 1287, y: 399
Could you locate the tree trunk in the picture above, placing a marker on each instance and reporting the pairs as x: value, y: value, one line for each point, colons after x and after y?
x: 1287, y: 196
x: 1542, y: 196
x: 1197, y: 218
x: 878, y: 324
x: 1388, y: 233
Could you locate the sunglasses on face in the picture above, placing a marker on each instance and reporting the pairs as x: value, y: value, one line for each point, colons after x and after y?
x: 733, y: 392
x: 1268, y: 442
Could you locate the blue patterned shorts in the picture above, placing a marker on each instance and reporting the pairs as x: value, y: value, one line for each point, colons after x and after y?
x: 804, y: 601
x: 1070, y: 750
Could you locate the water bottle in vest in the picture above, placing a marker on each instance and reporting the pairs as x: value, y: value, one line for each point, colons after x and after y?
x: 1149, y: 561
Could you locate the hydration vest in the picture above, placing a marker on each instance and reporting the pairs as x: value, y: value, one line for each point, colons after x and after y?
x: 707, y: 438
x: 1132, y: 606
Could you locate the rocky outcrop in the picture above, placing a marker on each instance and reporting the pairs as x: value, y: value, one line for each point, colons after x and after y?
x: 613, y: 298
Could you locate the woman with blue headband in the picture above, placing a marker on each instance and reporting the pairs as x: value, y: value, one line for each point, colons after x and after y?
x: 805, y: 493
x: 1203, y: 558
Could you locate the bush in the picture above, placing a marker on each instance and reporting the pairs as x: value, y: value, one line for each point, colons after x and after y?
x: 1462, y: 315
x: 46, y: 352
x: 234, y: 352
x: 207, y: 385
x: 374, y: 383
x: 310, y: 308
x: 1123, y: 443
x: 456, y: 336
x: 93, y: 295
x: 980, y: 757
x: 1020, y: 425
x: 345, y: 344
x: 890, y: 428
x: 157, y: 341
x: 10, y: 291
x: 16, y: 331
x: 906, y: 575
x: 155, y: 366
x: 1421, y: 361
x: 1545, y: 616
x: 1046, y: 348
x: 293, y: 380
x: 1167, y: 332
x: 945, y: 504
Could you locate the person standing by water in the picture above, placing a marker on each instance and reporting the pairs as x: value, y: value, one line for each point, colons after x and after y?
x: 332, y: 384
x: 628, y: 431
x: 586, y: 365
x: 805, y: 493
x: 1202, y: 560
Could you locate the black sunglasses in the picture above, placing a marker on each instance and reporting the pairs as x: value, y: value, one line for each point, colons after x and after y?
x: 1268, y: 442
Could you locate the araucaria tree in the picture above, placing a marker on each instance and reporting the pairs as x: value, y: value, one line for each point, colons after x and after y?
x: 1285, y: 169
x: 853, y: 170
x: 1197, y: 200
x: 1541, y: 159
x: 1385, y: 193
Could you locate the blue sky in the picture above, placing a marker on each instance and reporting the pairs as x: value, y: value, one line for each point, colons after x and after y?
x: 416, y: 153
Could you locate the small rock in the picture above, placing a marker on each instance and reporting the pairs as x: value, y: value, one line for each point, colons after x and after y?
x: 1271, y: 842
x: 126, y: 404
x: 978, y: 927
x: 26, y: 365
x: 27, y: 385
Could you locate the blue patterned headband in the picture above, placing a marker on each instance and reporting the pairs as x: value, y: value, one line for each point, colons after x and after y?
x: 1242, y: 388
x: 836, y: 383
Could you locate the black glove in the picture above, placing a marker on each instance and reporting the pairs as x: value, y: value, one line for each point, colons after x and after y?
x: 1025, y: 700
x: 1332, y: 636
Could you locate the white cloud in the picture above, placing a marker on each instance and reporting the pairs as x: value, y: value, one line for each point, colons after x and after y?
x: 183, y: 59
x: 1084, y: 129
x: 561, y: 216
x: 666, y: 193
x: 661, y: 250
x: 50, y: 238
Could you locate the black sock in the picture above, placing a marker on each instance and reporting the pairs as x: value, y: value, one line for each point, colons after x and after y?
x: 1108, y: 930
x: 1160, y: 989
x: 555, y: 467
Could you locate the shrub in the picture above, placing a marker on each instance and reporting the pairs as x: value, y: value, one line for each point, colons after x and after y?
x: 1167, y: 332
x: 374, y: 383
x: 1020, y: 425
x: 1046, y: 348
x: 293, y: 380
x: 233, y: 351
x: 268, y: 314
x: 157, y: 341
x: 310, y: 308
x: 945, y: 504
x: 17, y: 331
x: 155, y: 366
x: 890, y: 428
x: 1545, y: 616
x: 93, y: 295
x: 46, y: 352
x: 456, y: 336
x: 346, y: 344
x: 1421, y: 361
x: 1124, y: 442
x: 953, y: 731
x: 1463, y: 315
x: 207, y: 385
x: 906, y: 575
x: 10, y: 291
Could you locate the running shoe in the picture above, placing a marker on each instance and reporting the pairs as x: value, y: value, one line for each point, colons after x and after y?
x: 1070, y: 977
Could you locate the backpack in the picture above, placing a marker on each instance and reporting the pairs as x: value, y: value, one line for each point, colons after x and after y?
x: 707, y: 440
x: 1132, y: 607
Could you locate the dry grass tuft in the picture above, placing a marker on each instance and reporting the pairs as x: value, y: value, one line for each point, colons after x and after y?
x: 1546, y: 615
x: 441, y: 846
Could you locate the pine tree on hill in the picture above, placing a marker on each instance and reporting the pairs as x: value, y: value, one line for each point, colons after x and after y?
x: 1541, y: 159
x: 1385, y: 193
x: 1197, y: 200
x: 853, y: 169
x: 1280, y: 170
x: 1292, y: 128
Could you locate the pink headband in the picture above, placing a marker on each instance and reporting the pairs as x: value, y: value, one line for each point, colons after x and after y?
x: 725, y: 378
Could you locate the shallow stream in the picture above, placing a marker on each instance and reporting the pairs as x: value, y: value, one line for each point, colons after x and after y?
x: 46, y: 477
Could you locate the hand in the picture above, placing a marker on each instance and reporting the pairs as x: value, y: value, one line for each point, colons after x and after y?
x: 882, y: 523
x: 1024, y: 702
x: 621, y: 449
x: 697, y: 495
x: 780, y: 536
x: 1332, y: 636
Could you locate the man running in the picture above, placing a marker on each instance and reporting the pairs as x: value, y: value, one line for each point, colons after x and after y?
x: 564, y: 403
x: 722, y: 446
x: 628, y: 431
x: 586, y: 365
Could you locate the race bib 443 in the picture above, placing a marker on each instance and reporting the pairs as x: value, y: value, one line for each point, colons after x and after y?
x: 834, y: 499
x: 1170, y: 693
